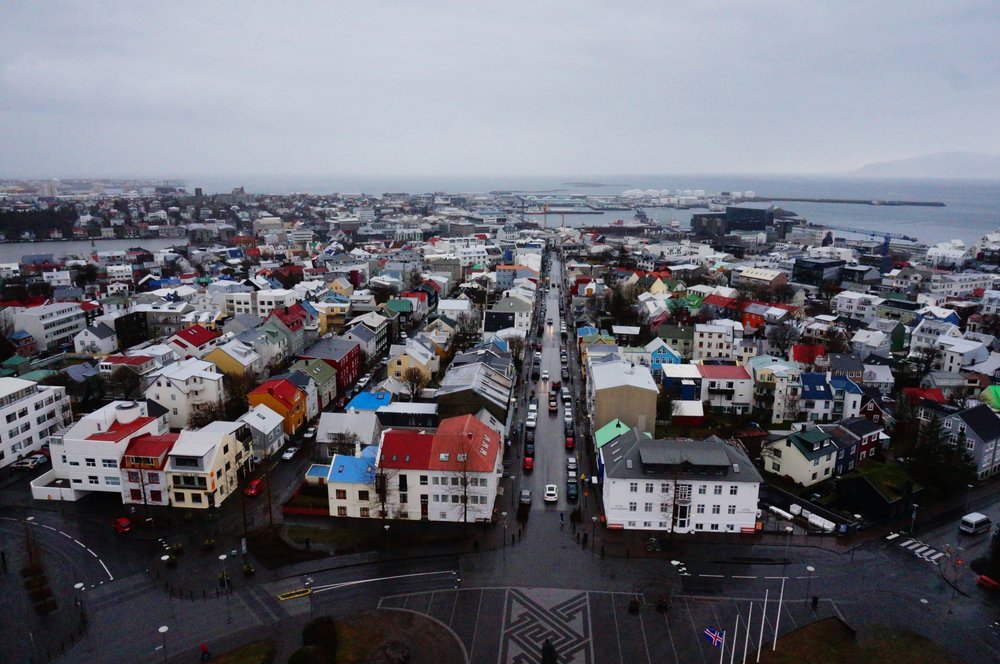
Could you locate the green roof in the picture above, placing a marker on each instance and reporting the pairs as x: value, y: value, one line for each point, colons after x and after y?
x: 38, y: 374
x: 14, y: 361
x: 991, y: 396
x: 889, y: 479
x: 401, y: 305
x: 804, y: 440
x: 611, y: 431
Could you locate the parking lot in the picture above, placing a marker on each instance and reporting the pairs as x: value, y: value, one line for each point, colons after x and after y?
x: 509, y: 625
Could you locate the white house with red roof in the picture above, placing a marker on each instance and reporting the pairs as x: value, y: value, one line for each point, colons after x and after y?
x: 86, y: 457
x: 140, y: 364
x: 726, y: 388
x: 450, y: 475
x: 195, y: 341
x: 143, y: 469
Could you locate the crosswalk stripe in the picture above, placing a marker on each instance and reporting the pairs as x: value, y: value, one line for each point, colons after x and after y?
x: 915, y: 545
x: 936, y: 556
x: 892, y: 536
x: 921, y: 550
x: 906, y: 543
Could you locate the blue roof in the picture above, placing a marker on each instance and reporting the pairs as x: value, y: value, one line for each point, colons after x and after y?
x: 845, y: 383
x: 308, y: 307
x: 20, y: 334
x: 814, y: 386
x: 318, y: 470
x: 370, y: 401
x: 353, y: 470
x: 584, y: 331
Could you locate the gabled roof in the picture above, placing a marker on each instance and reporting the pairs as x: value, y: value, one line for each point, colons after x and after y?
x: 723, y: 372
x: 284, y: 391
x: 195, y: 336
x: 815, y: 387
x: 982, y: 420
x: 403, y: 448
x: 151, y: 446
x: 353, y: 470
x: 463, y: 444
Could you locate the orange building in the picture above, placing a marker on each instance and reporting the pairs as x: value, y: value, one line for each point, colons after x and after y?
x: 284, y: 398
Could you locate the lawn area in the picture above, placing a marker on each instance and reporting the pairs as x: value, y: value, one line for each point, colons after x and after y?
x: 258, y: 652
x: 362, y: 638
x: 832, y: 642
x: 267, y: 546
x: 353, y: 535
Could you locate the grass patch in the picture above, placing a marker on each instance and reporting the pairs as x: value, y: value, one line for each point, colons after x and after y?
x: 832, y: 642
x: 362, y: 638
x: 258, y: 652
x: 354, y: 535
x: 267, y: 546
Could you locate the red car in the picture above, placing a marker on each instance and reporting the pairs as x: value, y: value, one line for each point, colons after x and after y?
x: 570, y: 443
x: 254, y: 488
x: 529, y: 464
x: 122, y: 525
x: 556, y: 384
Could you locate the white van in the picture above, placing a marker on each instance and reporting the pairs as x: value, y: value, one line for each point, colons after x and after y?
x: 975, y: 523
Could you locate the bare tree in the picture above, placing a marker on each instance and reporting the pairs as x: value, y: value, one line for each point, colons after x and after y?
x: 782, y: 337
x: 516, y: 346
x: 124, y: 383
x: 205, y: 413
x: 415, y: 380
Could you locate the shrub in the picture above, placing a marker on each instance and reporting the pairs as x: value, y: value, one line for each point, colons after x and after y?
x: 322, y: 633
x: 307, y: 655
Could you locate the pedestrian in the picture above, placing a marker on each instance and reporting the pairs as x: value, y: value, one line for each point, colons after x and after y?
x: 205, y: 655
x: 562, y: 520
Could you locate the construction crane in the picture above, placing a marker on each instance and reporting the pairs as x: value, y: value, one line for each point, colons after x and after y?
x: 885, y: 235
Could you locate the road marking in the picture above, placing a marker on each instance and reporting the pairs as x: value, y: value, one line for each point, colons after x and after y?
x: 906, y: 543
x: 744, y: 577
x: 712, y: 576
x: 892, y: 536
x: 618, y: 635
x: 475, y: 628
x: 645, y: 643
x: 32, y: 521
x: 936, y: 556
x: 345, y: 584
x: 696, y: 631
x: 294, y: 594
x: 670, y: 635
x: 921, y: 550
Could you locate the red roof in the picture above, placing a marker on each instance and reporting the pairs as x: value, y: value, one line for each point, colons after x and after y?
x: 469, y: 436
x: 417, y: 295
x: 915, y: 394
x: 807, y: 353
x: 293, y: 317
x: 723, y: 371
x: 89, y: 306
x: 131, y: 360
x: 719, y: 301
x: 406, y: 449
x: 118, y: 431
x: 195, y: 336
x: 148, y: 445
x: 281, y: 389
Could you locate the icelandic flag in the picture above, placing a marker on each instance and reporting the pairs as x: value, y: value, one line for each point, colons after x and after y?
x: 715, y: 636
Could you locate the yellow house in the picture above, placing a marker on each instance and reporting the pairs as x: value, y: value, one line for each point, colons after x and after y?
x: 412, y: 355
x: 332, y: 315
x: 341, y: 286
x: 236, y: 358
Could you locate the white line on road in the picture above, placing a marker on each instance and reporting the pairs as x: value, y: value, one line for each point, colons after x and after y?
x: 713, y: 576
x: 334, y: 586
x: 892, y: 536
x: 744, y: 577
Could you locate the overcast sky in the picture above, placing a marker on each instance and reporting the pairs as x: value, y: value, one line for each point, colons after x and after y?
x: 505, y: 88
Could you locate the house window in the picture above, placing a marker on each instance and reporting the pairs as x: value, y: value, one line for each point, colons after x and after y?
x: 423, y: 480
x: 365, y: 512
x: 342, y: 510
x: 362, y: 495
x: 648, y: 507
x: 632, y: 507
x: 664, y: 507
x: 341, y: 494
x: 153, y: 478
x: 109, y: 463
x: 717, y: 490
x: 731, y: 509
x: 649, y: 487
x: 714, y: 526
x: 92, y: 479
x: 664, y: 487
x: 135, y: 494
x: 633, y: 487
x: 715, y: 509
x: 699, y: 509
x: 112, y: 480
x: 91, y: 463
x: 734, y: 489
x: 701, y: 490
x: 156, y: 496
x: 133, y: 477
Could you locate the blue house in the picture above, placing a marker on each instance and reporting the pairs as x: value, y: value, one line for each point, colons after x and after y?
x: 816, y: 402
x: 660, y: 353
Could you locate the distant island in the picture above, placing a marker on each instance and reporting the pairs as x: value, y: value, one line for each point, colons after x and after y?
x: 939, y: 165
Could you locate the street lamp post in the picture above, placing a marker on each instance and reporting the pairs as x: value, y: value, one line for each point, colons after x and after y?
x: 968, y: 496
x: 225, y: 586
x: 913, y: 519
x: 163, y: 633
x: 593, y: 533
x: 788, y: 540
x: 503, y: 515
x: 386, y: 526
x: 678, y: 566
x: 810, y: 569
x: 923, y: 606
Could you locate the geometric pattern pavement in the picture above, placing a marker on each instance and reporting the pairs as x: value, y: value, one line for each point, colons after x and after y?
x: 533, y: 615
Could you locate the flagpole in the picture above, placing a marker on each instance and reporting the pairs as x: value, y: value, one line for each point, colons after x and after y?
x: 763, y: 614
x: 777, y: 622
x: 746, y: 642
x: 722, y: 650
x: 736, y: 637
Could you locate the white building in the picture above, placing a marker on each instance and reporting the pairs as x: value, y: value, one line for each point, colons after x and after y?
x: 683, y: 485
x: 119, y: 274
x: 807, y: 456
x: 98, y: 339
x: 29, y: 413
x: 185, y: 387
x: 712, y: 341
x: 58, y: 278
x: 86, y: 456
x: 52, y: 325
x: 205, y: 466
x: 859, y: 306
x: 266, y: 428
x: 958, y: 284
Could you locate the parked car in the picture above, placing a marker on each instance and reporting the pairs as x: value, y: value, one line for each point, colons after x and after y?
x: 532, y: 421
x: 529, y: 449
x: 556, y: 385
x: 529, y: 436
x: 553, y: 406
x: 310, y: 433
x: 565, y: 373
x: 572, y: 492
x: 568, y: 427
x: 571, y: 463
x: 525, y: 498
x: 289, y: 454
x: 529, y: 464
x: 545, y: 375
x: 29, y: 462
x: 570, y: 443
x: 551, y: 493
x: 254, y: 488
x: 571, y: 476
x: 533, y: 407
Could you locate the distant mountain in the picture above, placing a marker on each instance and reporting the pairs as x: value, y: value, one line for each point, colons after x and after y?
x: 939, y: 165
